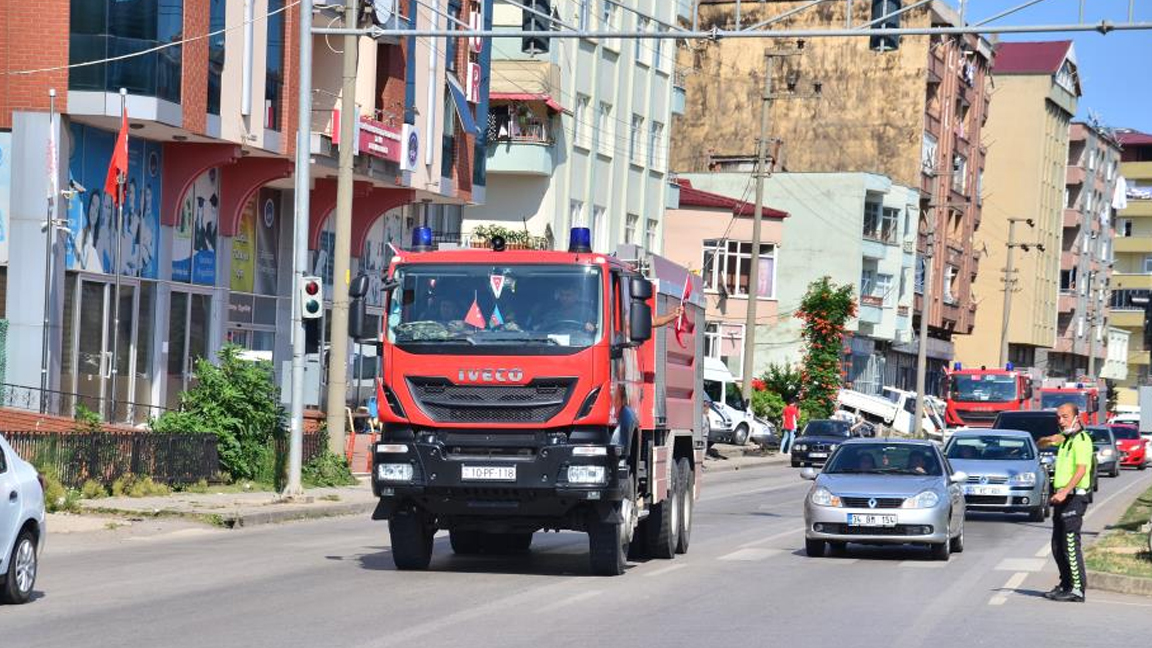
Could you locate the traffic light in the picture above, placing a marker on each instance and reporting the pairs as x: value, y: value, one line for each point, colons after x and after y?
x: 311, y: 298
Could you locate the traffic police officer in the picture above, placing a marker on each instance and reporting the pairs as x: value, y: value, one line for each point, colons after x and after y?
x: 1072, y: 481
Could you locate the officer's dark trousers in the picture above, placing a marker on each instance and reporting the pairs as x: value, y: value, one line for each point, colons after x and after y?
x: 1067, y: 518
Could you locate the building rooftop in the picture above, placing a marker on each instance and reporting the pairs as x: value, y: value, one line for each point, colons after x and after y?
x: 692, y: 197
x: 1129, y: 137
x: 1031, y: 57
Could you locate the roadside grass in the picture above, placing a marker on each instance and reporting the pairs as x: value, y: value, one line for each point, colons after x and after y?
x: 1123, y: 549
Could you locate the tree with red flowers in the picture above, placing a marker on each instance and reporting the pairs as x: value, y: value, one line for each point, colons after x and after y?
x: 825, y: 309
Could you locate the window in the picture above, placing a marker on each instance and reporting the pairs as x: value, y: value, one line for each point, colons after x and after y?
x: 1092, y: 160
x: 872, y: 220
x: 451, y: 45
x: 607, y: 14
x: 634, y: 153
x: 883, y: 289
x: 650, y: 235
x: 1124, y: 227
x: 599, y: 229
x: 607, y: 132
x: 960, y: 173
x: 1148, y: 264
x: 880, y: 223
x: 1068, y: 280
x: 889, y: 223
x: 215, y: 54
x: 657, y: 47
x: 918, y: 280
x: 655, y: 133
x: 1111, y: 172
x: 585, y: 13
x: 728, y: 264
x: 642, y: 24
x: 581, y: 126
x: 274, y: 67
x: 575, y: 214
x: 101, y: 29
x: 630, y: 223
x: 950, y: 275
x: 725, y: 342
x: 867, y: 282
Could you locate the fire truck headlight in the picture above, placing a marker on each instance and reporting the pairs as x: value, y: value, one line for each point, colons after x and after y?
x: 394, y: 472
x: 586, y: 475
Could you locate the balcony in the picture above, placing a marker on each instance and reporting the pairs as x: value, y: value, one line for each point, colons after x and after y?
x: 1139, y: 244
x: 871, y: 248
x: 1131, y: 281
x: 1069, y: 259
x: 1072, y: 217
x: 1129, y: 319
x: 1137, y: 207
x: 520, y: 157
x: 1076, y: 175
x: 1066, y: 303
x: 870, y: 312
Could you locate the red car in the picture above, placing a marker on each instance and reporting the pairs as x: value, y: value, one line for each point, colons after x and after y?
x: 1130, y: 446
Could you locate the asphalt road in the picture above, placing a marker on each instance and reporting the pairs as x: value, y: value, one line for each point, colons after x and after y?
x: 745, y: 582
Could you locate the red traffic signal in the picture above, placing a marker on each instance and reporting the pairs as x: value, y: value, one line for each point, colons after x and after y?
x: 311, y: 298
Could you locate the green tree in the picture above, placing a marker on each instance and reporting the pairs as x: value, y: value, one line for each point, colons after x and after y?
x: 239, y: 402
x: 786, y: 380
x: 825, y: 309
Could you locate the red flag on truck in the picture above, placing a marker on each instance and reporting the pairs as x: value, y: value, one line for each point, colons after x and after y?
x: 684, y: 323
x: 118, y: 167
x: 474, y: 316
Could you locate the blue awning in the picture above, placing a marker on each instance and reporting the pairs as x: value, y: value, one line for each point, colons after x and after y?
x: 462, y: 110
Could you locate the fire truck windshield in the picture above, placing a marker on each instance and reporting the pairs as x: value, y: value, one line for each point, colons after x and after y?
x: 1052, y: 400
x: 985, y: 388
x: 539, y: 309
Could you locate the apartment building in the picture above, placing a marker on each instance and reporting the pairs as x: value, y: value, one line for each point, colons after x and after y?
x: 910, y: 109
x: 580, y: 131
x: 1132, y: 272
x: 203, y: 256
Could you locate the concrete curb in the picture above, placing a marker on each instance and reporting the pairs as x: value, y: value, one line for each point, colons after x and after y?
x: 1119, y: 583
x: 240, y: 518
x: 743, y: 463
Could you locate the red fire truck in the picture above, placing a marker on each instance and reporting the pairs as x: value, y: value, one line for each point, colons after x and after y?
x: 976, y: 396
x: 1085, y: 396
x: 527, y: 390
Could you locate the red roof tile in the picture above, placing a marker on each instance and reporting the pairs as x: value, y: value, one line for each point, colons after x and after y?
x: 1133, y: 138
x: 692, y: 197
x: 1034, y: 57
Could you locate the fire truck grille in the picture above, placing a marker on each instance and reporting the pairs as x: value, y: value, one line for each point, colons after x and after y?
x: 977, y: 416
x: 536, y: 402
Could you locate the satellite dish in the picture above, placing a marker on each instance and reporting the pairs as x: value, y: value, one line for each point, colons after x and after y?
x: 383, y: 10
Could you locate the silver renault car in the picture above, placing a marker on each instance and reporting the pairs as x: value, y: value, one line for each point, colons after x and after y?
x: 885, y: 491
x: 1004, y: 471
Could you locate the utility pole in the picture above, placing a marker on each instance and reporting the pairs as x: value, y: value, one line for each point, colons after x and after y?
x: 1010, y: 281
x: 338, y: 329
x: 762, y: 170
x: 49, y: 230
x: 1094, y: 321
x: 302, y: 185
x: 925, y: 311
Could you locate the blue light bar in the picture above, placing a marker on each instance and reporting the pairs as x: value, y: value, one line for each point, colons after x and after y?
x: 1009, y: 366
x: 956, y: 366
x: 422, y: 239
x: 580, y: 240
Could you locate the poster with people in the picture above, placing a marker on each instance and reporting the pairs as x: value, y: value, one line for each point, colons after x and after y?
x: 194, y: 241
x: 254, y: 248
x: 95, y: 241
x: 5, y: 191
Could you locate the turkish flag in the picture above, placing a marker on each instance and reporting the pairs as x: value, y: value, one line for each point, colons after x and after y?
x: 474, y: 316
x: 118, y: 167
x: 684, y: 323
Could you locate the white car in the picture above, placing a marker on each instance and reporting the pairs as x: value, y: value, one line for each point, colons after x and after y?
x: 22, y: 527
x: 731, y: 419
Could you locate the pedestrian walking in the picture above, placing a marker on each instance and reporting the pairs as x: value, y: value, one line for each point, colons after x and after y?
x: 791, y: 417
x: 1072, y: 480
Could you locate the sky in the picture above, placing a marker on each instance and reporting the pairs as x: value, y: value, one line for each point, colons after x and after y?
x: 1115, y: 69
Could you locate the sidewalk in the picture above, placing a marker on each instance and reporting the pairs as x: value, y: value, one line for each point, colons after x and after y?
x: 724, y: 457
x: 232, y: 510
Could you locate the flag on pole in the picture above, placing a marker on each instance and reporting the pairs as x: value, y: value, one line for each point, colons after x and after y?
x: 683, y: 322
x: 496, y: 319
x: 118, y: 167
x: 474, y: 316
x: 53, y: 170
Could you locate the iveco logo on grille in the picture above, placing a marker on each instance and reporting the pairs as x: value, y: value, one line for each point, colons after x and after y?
x: 490, y: 375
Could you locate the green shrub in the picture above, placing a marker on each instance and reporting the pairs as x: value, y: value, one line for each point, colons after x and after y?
x: 768, y: 405
x: 239, y: 402
x: 130, y: 485
x: 93, y: 489
x: 87, y: 420
x: 327, y: 469
x: 785, y: 380
x: 57, y: 497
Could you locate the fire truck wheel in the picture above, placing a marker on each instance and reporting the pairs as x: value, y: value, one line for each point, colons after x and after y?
x: 664, y: 522
x: 687, y: 486
x: 608, y: 541
x: 465, y: 543
x: 411, y: 540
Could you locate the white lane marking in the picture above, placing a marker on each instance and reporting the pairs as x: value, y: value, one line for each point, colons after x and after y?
x: 1014, y: 582
x: 775, y: 536
x: 751, y: 554
x: 1021, y: 564
x: 665, y: 570
x: 575, y: 598
x: 1044, y: 552
x: 924, y: 564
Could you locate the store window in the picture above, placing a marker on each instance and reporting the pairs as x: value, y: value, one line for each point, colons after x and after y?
x: 101, y: 29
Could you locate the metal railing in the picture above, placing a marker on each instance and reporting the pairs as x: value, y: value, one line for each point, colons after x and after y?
x: 105, y: 456
x: 62, y: 403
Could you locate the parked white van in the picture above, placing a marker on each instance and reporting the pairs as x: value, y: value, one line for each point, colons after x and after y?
x: 734, y: 423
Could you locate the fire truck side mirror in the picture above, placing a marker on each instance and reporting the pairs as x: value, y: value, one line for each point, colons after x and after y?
x: 356, y: 317
x: 641, y: 288
x: 640, y: 321
x: 1028, y: 391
